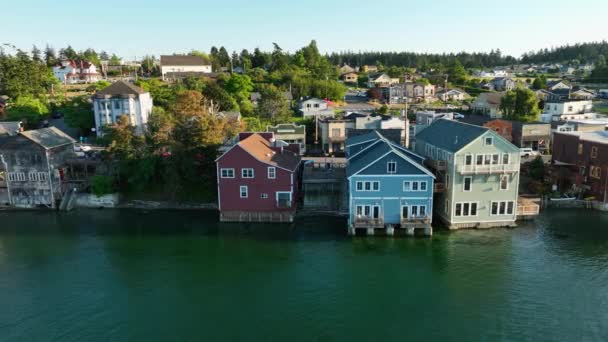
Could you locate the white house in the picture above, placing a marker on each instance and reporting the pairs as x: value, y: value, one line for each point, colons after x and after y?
x: 488, y: 104
x: 72, y: 72
x: 452, y: 95
x: 567, y: 109
x: 380, y: 80
x: 179, y: 66
x: 118, y: 99
x: 315, y: 107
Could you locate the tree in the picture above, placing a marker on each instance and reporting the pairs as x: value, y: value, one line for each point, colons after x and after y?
x: 240, y: 88
x: 115, y: 60
x: 220, y: 98
x: 160, y: 129
x: 78, y: 114
x: 273, y: 105
x: 122, y: 142
x: 22, y: 76
x: 68, y: 53
x: 539, y: 82
x: 28, y: 109
x: 36, y: 54
x: 457, y: 73
x: 521, y: 105
x: 49, y: 56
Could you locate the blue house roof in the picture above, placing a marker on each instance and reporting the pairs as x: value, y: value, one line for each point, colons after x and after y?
x: 451, y: 135
x: 375, y: 150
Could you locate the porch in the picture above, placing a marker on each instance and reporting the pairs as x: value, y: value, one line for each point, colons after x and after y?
x: 258, y: 216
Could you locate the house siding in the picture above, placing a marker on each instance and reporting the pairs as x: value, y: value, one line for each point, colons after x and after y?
x: 229, y: 188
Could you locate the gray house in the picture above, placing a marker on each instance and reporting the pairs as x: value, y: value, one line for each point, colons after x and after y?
x: 32, y: 167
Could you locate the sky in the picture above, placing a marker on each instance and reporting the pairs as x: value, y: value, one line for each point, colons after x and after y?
x: 133, y: 28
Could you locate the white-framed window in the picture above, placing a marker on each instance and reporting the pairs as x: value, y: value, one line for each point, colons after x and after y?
x: 415, y: 185
x: 272, y: 172
x: 465, y: 209
x: 42, y: 176
x: 498, y: 208
x: 407, y: 186
x: 391, y: 167
x: 488, y: 141
x: 468, y: 159
x: 227, y: 173
x: 595, y: 171
x: 506, y: 159
x: 33, y: 176
x: 244, y: 191
x: 247, y: 173
x: 504, y: 182
x: 495, y: 159
x: 479, y: 159
x: 263, y: 196
x: 368, y: 185
x: 467, y: 183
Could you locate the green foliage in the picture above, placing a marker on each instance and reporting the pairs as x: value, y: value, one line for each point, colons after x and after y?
x: 78, y: 113
x: 457, y: 73
x: 539, y: 82
x: 521, y: 105
x: 273, y: 105
x: 28, y: 109
x: 383, y: 109
x: 537, y: 169
x: 20, y: 75
x: 220, y: 97
x: 102, y: 185
x: 99, y: 85
x: 161, y: 92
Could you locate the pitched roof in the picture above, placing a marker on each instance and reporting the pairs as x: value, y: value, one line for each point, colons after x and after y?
x: 451, y: 135
x: 392, y: 134
x: 593, y: 136
x: 49, y: 137
x: 261, y: 149
x: 375, y: 151
x: 491, y: 98
x: 183, y: 60
x: 120, y: 88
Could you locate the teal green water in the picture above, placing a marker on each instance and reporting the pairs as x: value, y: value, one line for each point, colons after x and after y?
x: 181, y: 276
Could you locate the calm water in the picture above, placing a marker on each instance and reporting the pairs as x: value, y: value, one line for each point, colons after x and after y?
x: 181, y: 276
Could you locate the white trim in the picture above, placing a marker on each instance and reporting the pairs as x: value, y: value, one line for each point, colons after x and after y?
x: 464, y: 183
x: 274, y: 169
x: 227, y: 169
x: 418, y: 186
x: 514, y: 213
x: 391, y: 198
x: 414, y: 163
x: 388, y: 167
x: 219, y: 192
x: 500, y: 182
x: 261, y: 161
x: 485, y: 141
x: 241, y: 187
x: 375, y: 176
x: 247, y: 168
x: 462, y: 208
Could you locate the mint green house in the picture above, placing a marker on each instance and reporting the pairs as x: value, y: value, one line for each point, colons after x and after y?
x: 479, y: 170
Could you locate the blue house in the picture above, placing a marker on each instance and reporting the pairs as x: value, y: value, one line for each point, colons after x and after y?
x: 388, y: 186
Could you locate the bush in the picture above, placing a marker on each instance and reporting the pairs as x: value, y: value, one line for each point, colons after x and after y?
x: 102, y: 185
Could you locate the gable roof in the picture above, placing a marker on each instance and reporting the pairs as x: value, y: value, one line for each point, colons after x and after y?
x: 377, y: 150
x: 451, y: 135
x: 490, y: 98
x: 183, y: 60
x: 120, y: 88
x: 49, y: 137
x: 260, y: 149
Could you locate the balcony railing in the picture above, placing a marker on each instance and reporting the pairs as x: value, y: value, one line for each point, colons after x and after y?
x: 437, y: 165
x: 415, y: 220
x: 368, y: 222
x: 488, y: 169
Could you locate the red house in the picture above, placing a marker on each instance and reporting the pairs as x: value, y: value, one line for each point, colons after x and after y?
x: 257, y: 180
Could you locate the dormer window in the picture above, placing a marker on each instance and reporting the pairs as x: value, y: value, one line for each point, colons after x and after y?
x: 391, y: 167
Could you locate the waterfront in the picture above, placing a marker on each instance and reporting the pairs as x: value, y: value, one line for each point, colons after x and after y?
x: 171, y: 275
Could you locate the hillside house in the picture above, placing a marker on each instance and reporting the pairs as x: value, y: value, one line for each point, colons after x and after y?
x: 314, y: 107
x: 76, y: 71
x: 291, y: 134
x: 118, y: 99
x: 176, y: 67
x: 488, y: 104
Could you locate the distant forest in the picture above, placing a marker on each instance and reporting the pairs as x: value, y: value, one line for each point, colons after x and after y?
x: 583, y: 53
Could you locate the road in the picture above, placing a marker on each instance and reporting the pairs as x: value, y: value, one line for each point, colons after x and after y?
x: 356, y: 103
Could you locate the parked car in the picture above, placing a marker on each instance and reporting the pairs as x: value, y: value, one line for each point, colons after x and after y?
x: 458, y: 116
x: 527, y: 152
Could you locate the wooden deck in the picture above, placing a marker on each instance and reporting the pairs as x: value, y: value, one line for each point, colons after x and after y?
x: 258, y: 216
